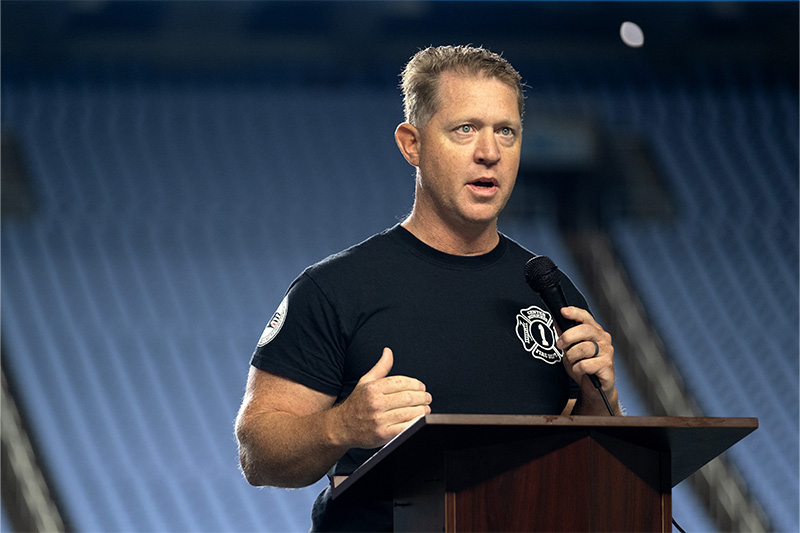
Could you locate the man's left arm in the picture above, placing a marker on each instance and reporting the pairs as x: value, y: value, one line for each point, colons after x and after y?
x: 588, y: 351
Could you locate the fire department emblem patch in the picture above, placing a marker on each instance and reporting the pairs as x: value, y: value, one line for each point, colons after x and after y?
x: 535, y: 330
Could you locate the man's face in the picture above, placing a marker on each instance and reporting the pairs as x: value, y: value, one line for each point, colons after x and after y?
x: 469, y: 151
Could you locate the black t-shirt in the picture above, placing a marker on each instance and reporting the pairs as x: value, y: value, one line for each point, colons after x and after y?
x: 469, y: 328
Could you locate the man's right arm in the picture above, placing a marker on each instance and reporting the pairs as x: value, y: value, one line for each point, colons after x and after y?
x: 290, y: 435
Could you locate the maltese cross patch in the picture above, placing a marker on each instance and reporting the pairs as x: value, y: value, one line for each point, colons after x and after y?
x: 535, y: 330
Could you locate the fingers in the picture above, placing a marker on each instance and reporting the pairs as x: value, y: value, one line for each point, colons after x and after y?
x: 587, y: 347
x: 385, y: 402
x: 381, y: 368
x: 402, y: 405
x: 382, y: 406
x: 587, y: 329
x: 391, y: 384
x: 581, y: 316
x: 588, y: 351
x: 586, y: 359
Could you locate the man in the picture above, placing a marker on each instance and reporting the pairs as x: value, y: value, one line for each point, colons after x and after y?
x: 430, y: 315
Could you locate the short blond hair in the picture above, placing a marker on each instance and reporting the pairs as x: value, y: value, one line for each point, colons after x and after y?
x: 420, y: 77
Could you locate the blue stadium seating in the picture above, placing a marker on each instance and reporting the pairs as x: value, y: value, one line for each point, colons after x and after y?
x: 721, y: 281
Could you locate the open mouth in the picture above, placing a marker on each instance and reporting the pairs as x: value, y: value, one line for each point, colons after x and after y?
x: 484, y: 183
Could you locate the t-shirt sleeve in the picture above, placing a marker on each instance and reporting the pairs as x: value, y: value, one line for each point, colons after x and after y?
x: 303, y: 339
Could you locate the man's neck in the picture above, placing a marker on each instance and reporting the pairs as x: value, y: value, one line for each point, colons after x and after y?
x: 465, y: 240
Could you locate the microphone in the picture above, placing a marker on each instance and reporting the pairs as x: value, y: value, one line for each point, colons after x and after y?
x: 542, y: 275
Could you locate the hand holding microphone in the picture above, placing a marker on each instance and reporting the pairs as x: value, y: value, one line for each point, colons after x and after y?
x: 543, y: 276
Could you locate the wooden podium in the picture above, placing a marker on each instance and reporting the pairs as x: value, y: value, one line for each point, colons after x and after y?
x: 540, y: 473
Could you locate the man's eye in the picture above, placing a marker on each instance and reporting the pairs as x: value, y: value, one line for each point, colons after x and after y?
x: 506, y: 132
x: 466, y: 128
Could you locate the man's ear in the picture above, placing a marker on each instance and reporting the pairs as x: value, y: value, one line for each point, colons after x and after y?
x: 407, y: 138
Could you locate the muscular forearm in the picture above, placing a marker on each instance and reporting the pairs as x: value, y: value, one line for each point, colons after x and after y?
x: 284, y: 450
x: 290, y: 435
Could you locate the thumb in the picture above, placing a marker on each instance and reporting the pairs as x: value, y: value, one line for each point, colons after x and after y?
x: 381, y: 368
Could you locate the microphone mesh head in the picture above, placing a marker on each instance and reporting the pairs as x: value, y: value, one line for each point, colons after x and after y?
x: 541, y: 272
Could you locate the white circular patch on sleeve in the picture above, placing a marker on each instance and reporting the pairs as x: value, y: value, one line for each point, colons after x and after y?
x: 275, y: 323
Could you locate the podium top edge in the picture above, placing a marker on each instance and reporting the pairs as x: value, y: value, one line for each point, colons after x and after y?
x: 674, y: 431
x: 586, y: 421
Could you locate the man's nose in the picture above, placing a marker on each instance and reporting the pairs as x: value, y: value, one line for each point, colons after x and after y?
x: 487, y: 151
